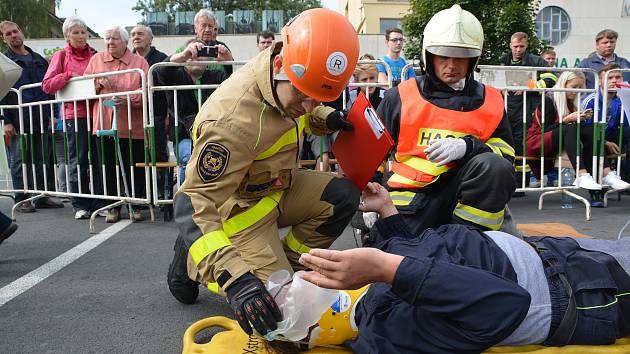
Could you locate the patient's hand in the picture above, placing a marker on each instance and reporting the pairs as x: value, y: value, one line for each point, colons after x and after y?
x: 376, y: 198
x: 349, y: 269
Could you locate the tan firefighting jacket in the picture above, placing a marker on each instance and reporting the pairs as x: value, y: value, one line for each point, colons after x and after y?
x: 244, y: 148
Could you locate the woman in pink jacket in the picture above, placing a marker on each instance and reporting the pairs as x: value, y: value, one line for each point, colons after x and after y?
x: 64, y: 65
x: 118, y: 57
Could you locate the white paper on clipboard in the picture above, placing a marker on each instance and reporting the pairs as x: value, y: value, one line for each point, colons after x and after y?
x: 77, y: 90
x: 624, y: 95
x: 374, y: 122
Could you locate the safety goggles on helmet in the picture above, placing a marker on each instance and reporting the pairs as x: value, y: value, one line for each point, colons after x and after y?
x: 454, y: 52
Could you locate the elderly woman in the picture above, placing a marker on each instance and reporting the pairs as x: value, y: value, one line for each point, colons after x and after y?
x: 64, y: 65
x: 118, y: 57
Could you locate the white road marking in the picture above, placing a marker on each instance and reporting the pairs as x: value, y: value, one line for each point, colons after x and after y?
x: 18, y: 286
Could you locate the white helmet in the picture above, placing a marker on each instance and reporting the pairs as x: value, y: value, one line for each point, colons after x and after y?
x: 9, y: 74
x: 453, y: 33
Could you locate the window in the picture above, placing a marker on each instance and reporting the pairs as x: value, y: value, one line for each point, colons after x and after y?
x: 553, y: 24
x: 387, y: 23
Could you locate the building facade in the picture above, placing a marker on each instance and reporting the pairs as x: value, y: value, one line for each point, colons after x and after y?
x: 570, y: 27
x: 374, y: 16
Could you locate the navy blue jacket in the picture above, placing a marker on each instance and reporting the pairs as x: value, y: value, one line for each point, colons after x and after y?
x: 456, y: 292
x: 593, y: 61
x: 31, y: 73
x: 431, y: 306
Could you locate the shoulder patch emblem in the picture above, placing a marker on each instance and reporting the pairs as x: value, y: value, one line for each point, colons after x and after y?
x: 212, y: 162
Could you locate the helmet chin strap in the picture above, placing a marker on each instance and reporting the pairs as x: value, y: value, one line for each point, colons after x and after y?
x: 274, y: 91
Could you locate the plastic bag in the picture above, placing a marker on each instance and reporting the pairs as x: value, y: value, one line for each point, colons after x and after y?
x: 302, y: 304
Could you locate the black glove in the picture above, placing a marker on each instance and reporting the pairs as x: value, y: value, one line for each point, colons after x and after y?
x: 335, y: 121
x: 253, y: 305
x: 377, y: 177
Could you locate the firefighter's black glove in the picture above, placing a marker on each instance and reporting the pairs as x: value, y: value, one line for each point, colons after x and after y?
x: 336, y: 121
x: 253, y: 305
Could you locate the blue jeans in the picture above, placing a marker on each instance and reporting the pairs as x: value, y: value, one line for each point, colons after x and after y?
x: 184, y: 147
x: 79, y: 146
x: 5, y: 222
x: 34, y: 147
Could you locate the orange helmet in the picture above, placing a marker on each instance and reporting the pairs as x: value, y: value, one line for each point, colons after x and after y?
x: 320, y: 52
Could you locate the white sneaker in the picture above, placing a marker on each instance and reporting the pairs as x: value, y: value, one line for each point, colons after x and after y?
x: 82, y: 214
x: 614, y: 181
x: 586, y: 181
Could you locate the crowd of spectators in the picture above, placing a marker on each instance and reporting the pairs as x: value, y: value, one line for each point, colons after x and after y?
x: 563, y: 108
x: 87, y: 164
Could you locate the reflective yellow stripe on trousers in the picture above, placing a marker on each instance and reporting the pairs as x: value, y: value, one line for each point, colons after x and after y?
x: 490, y: 220
x: 504, y: 148
x: 248, y: 218
x: 265, y: 205
x: 252, y: 215
x: 207, y: 244
x: 519, y: 168
x: 295, y: 245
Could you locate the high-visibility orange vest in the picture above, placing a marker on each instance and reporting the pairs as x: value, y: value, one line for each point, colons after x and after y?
x: 421, y: 121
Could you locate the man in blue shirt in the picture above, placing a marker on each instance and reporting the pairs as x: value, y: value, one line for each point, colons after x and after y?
x: 613, y: 116
x: 34, y: 68
x: 605, y: 43
x: 394, y: 41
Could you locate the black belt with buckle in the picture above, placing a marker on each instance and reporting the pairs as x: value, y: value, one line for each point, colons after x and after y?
x: 563, y: 333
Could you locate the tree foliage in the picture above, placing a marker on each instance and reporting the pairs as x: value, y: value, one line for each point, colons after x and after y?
x: 499, y: 19
x: 31, y: 15
x: 290, y: 7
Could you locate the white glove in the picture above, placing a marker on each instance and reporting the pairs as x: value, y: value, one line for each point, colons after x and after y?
x: 445, y: 150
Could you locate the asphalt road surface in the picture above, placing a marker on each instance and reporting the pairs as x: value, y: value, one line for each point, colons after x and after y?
x: 63, y: 290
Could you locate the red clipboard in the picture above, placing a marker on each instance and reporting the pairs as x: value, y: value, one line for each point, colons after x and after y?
x: 361, y: 151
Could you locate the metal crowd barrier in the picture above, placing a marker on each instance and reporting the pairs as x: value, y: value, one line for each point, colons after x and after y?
x: 44, y: 162
x: 125, y: 194
x: 522, y: 161
x: 407, y: 67
x: 603, y: 125
x: 177, y: 164
x: 7, y: 182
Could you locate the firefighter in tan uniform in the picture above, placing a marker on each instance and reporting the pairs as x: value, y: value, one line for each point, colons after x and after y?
x: 242, y: 181
x: 454, y: 152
